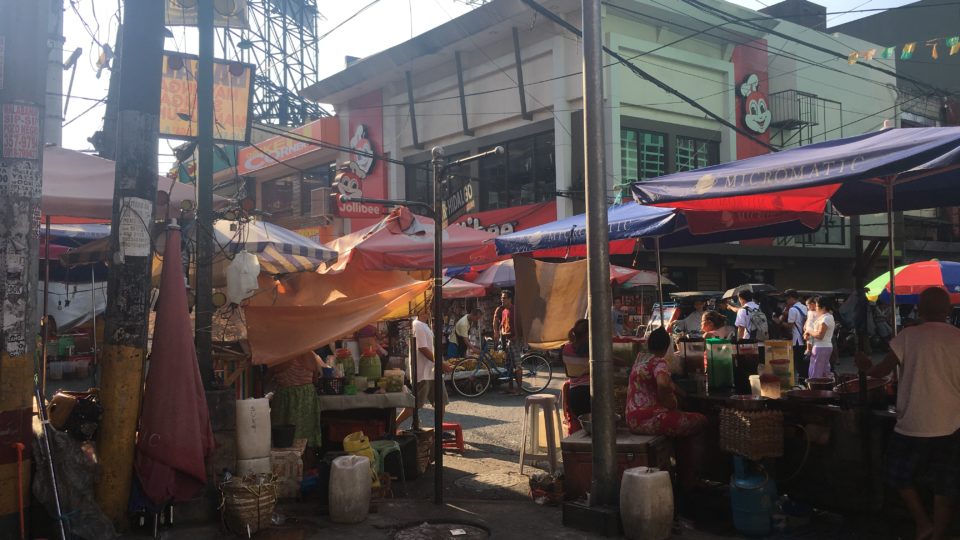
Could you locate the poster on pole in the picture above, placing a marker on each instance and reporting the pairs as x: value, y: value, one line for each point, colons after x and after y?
x: 20, y: 126
x: 232, y: 98
x: 226, y: 13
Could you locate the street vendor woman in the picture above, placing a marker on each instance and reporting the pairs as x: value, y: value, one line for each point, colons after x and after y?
x: 652, y: 407
x: 927, y: 435
x: 576, y: 362
x: 295, y: 397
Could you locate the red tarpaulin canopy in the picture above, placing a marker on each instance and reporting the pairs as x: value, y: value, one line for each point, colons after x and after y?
x: 404, y: 241
x: 175, y: 436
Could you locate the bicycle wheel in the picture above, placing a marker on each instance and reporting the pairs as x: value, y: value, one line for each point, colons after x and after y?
x: 537, y: 373
x: 471, y: 377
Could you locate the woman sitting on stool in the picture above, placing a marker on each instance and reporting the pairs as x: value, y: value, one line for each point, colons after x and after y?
x: 652, y: 407
x: 576, y: 361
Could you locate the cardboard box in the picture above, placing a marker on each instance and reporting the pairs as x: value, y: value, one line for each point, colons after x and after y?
x: 287, y: 465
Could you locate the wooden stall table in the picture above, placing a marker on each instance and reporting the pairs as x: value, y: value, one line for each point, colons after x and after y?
x: 632, y: 451
x: 374, y: 414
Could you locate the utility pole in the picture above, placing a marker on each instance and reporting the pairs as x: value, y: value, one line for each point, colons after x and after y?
x: 603, y: 490
x: 23, y: 63
x: 204, y: 225
x: 128, y: 288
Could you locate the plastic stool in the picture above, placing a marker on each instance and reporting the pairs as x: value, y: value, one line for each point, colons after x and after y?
x: 551, y: 415
x: 383, y: 449
x: 457, y: 443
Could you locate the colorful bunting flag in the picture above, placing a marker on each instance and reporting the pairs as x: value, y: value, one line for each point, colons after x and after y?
x: 889, y: 53
x: 954, y: 44
x: 907, y: 52
x: 853, y: 57
x: 868, y: 55
x: 933, y: 52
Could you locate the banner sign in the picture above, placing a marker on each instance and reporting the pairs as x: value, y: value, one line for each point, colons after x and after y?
x: 232, y: 97
x: 366, y: 177
x: 508, y: 220
x: 283, y: 148
x: 458, y: 203
x: 226, y: 13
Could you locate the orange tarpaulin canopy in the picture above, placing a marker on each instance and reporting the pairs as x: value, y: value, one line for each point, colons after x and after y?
x: 305, y: 311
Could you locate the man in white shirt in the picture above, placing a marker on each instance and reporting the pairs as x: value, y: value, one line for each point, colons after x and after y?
x: 793, y: 320
x: 747, y: 307
x: 424, y: 385
x: 927, y: 434
x: 691, y: 323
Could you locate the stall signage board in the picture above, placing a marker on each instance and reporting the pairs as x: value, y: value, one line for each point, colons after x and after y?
x: 458, y: 203
x: 232, y: 14
x: 232, y: 98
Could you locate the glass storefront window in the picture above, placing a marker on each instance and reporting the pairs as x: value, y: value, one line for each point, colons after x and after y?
x: 277, y: 196
x: 314, y: 178
x: 525, y: 174
x: 695, y: 153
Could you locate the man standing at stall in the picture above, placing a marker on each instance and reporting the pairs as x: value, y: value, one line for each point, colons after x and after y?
x: 424, y: 385
x: 793, y: 319
x: 927, y: 434
x: 461, y: 332
x: 510, y: 340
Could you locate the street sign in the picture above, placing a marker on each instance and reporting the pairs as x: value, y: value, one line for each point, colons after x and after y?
x: 458, y: 203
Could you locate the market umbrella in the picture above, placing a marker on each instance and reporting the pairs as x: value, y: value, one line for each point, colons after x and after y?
x: 502, y: 274
x: 175, y: 436
x: 886, y: 171
x: 404, y: 241
x: 646, y: 278
x: 458, y: 288
x: 913, y: 279
x: 755, y: 288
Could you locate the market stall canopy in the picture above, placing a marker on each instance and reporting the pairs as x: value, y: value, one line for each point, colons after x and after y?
x: 502, y: 274
x: 279, y: 250
x: 80, y: 185
x: 646, y: 278
x: 312, y: 310
x: 404, y: 241
x: 629, y: 222
x: 175, y: 436
x: 913, y: 279
x: 458, y: 288
x: 852, y: 173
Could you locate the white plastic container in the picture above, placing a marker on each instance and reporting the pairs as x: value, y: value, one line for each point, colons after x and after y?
x: 646, y: 504
x: 349, y: 489
x: 253, y: 428
x: 254, y: 466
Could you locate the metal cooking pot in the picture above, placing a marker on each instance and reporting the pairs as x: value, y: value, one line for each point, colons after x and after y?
x: 748, y: 402
x: 849, y: 392
x: 821, y: 383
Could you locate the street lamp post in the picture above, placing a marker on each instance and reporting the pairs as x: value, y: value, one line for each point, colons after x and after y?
x: 439, y: 172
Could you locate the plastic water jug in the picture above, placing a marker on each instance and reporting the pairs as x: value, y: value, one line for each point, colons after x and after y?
x: 349, y: 489
x: 779, y: 356
x: 370, y: 367
x: 358, y: 444
x: 646, y: 504
x: 752, y: 497
x: 719, y: 364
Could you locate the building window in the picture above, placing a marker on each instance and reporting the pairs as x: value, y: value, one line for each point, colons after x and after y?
x: 277, y: 197
x: 643, y: 154
x: 314, y: 178
x: 525, y: 174
x: 419, y: 187
x: 695, y: 153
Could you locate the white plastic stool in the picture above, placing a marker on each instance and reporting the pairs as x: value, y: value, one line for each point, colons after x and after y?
x: 547, y: 404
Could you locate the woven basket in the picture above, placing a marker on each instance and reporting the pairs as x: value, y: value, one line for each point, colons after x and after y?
x: 752, y: 434
x: 246, y: 503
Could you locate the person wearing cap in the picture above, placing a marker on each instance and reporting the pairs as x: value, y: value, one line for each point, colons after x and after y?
x: 926, y: 437
x: 792, y: 320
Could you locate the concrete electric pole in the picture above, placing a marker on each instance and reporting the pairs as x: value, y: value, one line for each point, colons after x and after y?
x: 128, y: 289
x: 23, y: 85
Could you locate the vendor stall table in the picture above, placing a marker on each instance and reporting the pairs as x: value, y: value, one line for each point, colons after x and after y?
x: 374, y: 414
x: 632, y: 451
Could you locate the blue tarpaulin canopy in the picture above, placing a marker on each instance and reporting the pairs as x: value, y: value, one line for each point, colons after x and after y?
x: 634, y: 221
x: 853, y: 173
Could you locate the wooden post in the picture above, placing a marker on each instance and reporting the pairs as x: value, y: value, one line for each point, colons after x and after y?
x: 128, y: 287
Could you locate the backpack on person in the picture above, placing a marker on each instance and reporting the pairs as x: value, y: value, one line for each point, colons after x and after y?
x: 758, y: 325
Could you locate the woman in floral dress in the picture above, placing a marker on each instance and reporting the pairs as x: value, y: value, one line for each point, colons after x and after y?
x: 652, y: 407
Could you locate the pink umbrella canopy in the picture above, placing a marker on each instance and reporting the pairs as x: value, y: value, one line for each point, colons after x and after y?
x: 404, y: 241
x: 175, y: 435
x: 458, y: 288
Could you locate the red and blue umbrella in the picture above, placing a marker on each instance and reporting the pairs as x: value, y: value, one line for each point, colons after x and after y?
x: 912, y: 279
